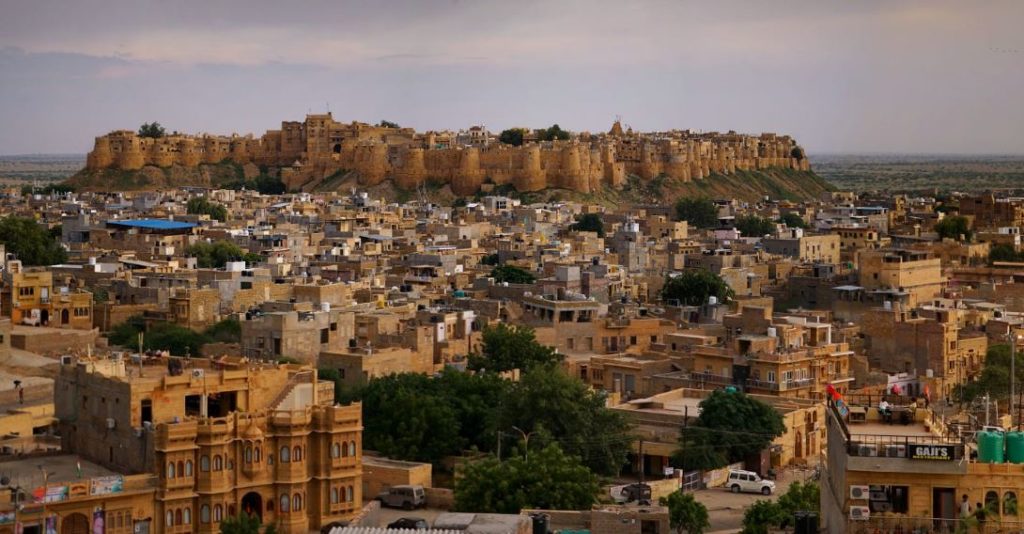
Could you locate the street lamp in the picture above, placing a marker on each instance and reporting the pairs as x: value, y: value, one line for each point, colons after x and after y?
x: 526, y: 441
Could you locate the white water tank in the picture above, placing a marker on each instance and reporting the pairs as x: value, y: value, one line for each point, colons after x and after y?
x: 712, y: 300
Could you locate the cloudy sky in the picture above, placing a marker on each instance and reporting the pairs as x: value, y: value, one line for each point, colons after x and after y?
x: 866, y: 76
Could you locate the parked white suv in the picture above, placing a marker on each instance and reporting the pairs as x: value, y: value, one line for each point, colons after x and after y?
x: 749, y: 481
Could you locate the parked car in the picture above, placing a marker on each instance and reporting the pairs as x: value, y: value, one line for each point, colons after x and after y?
x: 415, y: 523
x: 750, y: 482
x: 404, y: 496
x: 638, y: 493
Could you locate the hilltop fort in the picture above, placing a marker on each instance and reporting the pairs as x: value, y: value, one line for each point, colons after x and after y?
x: 310, y: 151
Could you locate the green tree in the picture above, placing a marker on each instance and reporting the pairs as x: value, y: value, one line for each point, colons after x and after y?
x: 554, y: 132
x: 685, y: 514
x: 715, y: 440
x: 127, y: 333
x: 202, y: 206
x: 589, y: 222
x: 512, y: 275
x: 766, y: 516
x: 693, y: 287
x: 550, y: 479
x: 800, y: 497
x: 31, y: 242
x: 388, y: 124
x: 952, y: 227
x: 225, y: 331
x: 505, y: 347
x: 242, y: 523
x: 700, y: 212
x: 176, y: 339
x: 793, y: 220
x: 151, y: 129
x: 404, y: 418
x: 1003, y: 252
x: 762, y: 517
x: 556, y: 406
x: 490, y: 259
x: 995, y: 376
x: 214, y: 255
x: 752, y: 225
x: 512, y: 136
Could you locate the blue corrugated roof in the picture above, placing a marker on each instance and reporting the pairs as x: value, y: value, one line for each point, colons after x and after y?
x: 152, y: 224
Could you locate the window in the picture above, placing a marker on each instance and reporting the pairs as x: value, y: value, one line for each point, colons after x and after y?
x: 351, y: 494
x: 297, y: 502
x: 285, y: 503
x: 771, y: 376
x: 177, y: 516
x: 352, y: 448
x: 334, y: 495
x: 285, y: 455
x: 218, y: 513
x: 188, y: 468
x: 1010, y: 504
x: 204, y: 513
x: 170, y: 469
x: 258, y: 454
x: 218, y: 463
x: 187, y: 516
x: 169, y: 521
x: 204, y: 463
x: 248, y: 455
x: 992, y: 502
x: 297, y: 454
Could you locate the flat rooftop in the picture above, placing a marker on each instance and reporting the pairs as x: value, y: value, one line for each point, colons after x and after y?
x: 26, y: 472
x: 874, y: 428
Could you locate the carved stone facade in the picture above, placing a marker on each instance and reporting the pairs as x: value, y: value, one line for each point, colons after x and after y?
x: 319, y: 147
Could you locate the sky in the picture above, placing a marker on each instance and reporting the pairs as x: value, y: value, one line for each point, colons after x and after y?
x: 852, y: 77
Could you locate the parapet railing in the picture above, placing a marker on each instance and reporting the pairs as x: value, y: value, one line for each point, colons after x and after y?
x: 896, y: 524
x: 888, y: 446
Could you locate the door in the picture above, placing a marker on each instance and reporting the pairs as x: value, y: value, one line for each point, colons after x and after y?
x: 944, y: 506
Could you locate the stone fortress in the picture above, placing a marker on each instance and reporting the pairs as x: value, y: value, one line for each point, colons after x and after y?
x: 308, y: 152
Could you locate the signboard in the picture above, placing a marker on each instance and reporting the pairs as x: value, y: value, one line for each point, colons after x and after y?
x: 106, y: 485
x: 931, y: 452
x: 50, y: 494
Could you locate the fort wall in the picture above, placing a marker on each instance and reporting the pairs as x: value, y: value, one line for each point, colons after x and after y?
x: 313, y: 149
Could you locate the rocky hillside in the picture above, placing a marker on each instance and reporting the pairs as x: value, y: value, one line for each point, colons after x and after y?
x: 151, y: 178
x: 780, y: 183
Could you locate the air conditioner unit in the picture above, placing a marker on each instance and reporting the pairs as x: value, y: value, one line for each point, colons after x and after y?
x: 197, y: 373
x: 860, y: 492
x: 111, y: 423
x: 896, y: 451
x: 860, y: 513
x: 867, y: 450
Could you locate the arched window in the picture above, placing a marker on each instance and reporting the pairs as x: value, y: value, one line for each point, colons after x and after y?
x: 204, y: 513
x: 218, y: 463
x: 170, y: 518
x: 231, y: 507
x: 284, y: 503
x: 296, y: 502
x: 352, y: 449
x: 334, y: 495
x: 297, y: 454
x: 992, y: 502
x: 188, y: 468
x: 248, y: 454
x: 187, y: 516
x: 177, y: 516
x: 336, y: 450
x: 286, y: 454
x: 351, y: 494
x: 181, y: 468
x: 258, y: 455
x: 1010, y: 504
x: 204, y: 463
x: 270, y: 459
x: 218, y: 513
x: 170, y: 469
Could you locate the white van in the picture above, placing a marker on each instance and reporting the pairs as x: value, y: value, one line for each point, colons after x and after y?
x: 750, y: 482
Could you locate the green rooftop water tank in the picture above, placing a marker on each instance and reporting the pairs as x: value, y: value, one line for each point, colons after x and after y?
x: 990, y: 447
x: 1015, y: 447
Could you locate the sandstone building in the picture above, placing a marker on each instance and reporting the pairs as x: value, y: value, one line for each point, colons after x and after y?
x: 319, y: 147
